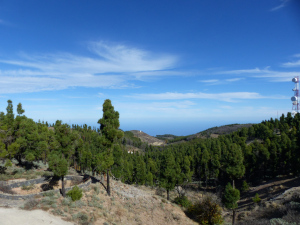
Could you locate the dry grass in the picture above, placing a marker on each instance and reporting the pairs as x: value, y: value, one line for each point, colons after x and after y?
x: 127, y: 205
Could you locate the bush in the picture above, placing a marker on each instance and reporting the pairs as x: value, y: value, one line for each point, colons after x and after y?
x: 245, y: 186
x: 27, y: 188
x: 6, y: 189
x: 183, y: 201
x: 66, y: 201
x: 160, y: 191
x: 30, y: 204
x: 48, y: 201
x: 206, y: 212
x: 75, y: 193
x: 49, y: 193
x: 256, y: 198
x: 82, y: 217
x: 8, y: 163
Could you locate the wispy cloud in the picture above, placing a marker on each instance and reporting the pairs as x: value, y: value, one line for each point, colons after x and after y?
x: 227, y: 96
x: 113, y: 66
x: 219, y: 82
x: 276, y: 76
x: 234, y: 79
x: 294, y: 63
x: 209, y: 81
x: 283, y: 4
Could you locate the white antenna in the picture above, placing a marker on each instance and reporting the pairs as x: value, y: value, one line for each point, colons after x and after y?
x: 295, y: 98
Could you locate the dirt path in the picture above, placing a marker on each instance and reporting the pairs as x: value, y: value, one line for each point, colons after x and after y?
x: 12, y: 216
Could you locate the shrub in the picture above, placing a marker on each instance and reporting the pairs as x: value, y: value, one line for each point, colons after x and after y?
x: 183, y: 201
x: 96, y: 189
x: 58, y: 212
x: 30, y: 204
x: 27, y: 188
x: 82, y: 217
x: 66, y: 201
x: 256, y: 198
x: 6, y: 189
x: 245, y: 186
x: 75, y: 193
x: 49, y: 193
x: 8, y: 163
x: 206, y: 212
x: 160, y: 191
x: 48, y: 201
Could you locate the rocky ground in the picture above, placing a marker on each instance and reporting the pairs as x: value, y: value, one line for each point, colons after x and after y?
x: 126, y: 205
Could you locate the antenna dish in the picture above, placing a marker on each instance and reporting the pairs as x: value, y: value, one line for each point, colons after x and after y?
x: 295, y: 80
x: 294, y: 99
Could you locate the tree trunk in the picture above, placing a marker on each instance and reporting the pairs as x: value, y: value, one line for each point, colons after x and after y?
x: 63, y: 187
x: 168, y: 194
x: 233, y: 216
x: 108, y: 185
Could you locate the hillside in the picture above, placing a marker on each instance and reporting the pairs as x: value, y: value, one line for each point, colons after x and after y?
x: 213, y: 132
x: 226, y: 129
x: 147, y: 138
x: 127, y: 205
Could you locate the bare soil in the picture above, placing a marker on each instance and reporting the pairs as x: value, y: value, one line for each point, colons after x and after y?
x: 147, y: 138
x: 37, y: 188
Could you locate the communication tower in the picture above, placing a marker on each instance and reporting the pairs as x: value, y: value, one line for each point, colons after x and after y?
x: 295, y: 98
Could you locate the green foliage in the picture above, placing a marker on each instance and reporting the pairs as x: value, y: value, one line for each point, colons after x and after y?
x: 28, y: 187
x: 245, y: 186
x: 20, y: 110
x: 8, y: 163
x: 82, y: 217
x: 183, y: 201
x: 75, y: 193
x: 206, y: 212
x: 256, y: 198
x: 58, y: 165
x: 230, y: 197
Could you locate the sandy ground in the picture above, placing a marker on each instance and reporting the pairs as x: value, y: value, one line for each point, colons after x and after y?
x: 13, y: 216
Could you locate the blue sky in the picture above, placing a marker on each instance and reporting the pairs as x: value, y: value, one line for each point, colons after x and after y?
x: 174, y: 67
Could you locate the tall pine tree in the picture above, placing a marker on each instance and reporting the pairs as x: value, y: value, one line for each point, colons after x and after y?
x: 109, y: 130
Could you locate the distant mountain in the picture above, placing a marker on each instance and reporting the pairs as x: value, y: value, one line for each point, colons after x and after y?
x: 213, y: 132
x: 147, y: 138
x: 226, y: 129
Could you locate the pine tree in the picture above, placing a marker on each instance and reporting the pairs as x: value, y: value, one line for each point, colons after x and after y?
x: 59, y: 166
x: 169, y: 173
x: 230, y: 198
x: 20, y: 110
x: 109, y: 129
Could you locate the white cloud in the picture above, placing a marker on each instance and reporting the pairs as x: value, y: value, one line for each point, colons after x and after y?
x: 275, y: 76
x: 227, y: 96
x: 113, y: 66
x: 292, y: 64
x: 219, y: 82
x: 283, y: 4
x: 234, y: 79
x: 209, y: 81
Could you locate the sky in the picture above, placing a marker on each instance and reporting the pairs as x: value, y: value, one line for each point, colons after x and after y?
x: 169, y: 67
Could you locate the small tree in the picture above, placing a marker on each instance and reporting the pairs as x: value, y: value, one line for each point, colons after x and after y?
x: 20, y: 110
x: 75, y: 193
x: 59, y: 166
x: 230, y: 198
x: 256, y: 198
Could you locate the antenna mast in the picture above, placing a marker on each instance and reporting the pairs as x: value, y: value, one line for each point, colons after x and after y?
x: 295, y: 98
